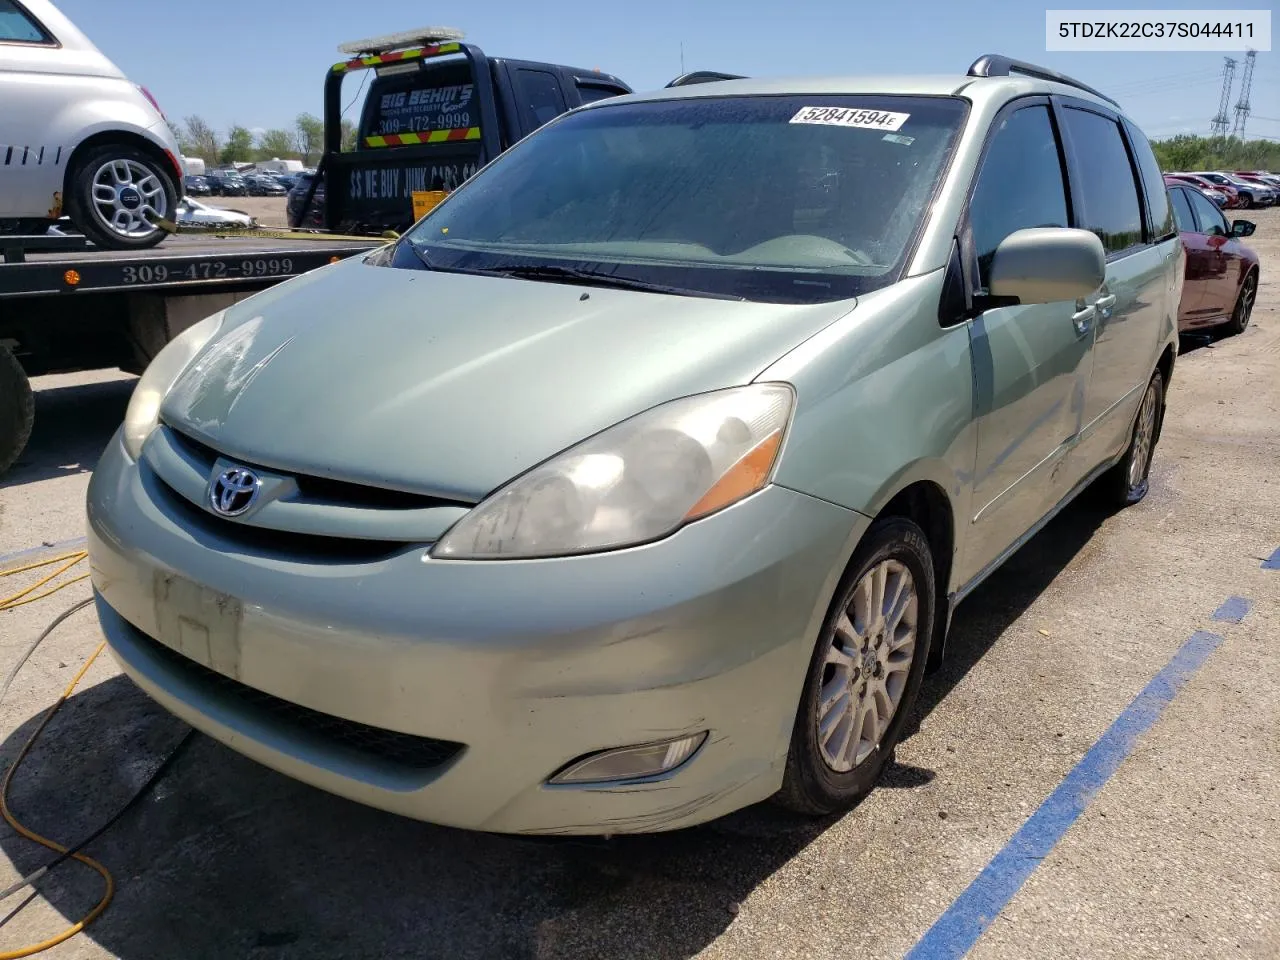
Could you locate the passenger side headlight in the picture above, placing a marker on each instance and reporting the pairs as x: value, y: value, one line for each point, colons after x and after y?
x: 637, y: 481
x: 143, y: 412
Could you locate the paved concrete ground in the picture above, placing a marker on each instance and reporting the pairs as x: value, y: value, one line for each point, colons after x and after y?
x: 1179, y: 855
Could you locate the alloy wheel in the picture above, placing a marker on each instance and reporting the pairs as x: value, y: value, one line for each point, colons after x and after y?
x: 867, y: 665
x: 124, y: 192
x: 1143, y: 435
x: 1244, y: 307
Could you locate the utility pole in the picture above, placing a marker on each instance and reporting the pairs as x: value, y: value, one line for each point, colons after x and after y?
x: 1218, y: 126
x: 1242, y: 105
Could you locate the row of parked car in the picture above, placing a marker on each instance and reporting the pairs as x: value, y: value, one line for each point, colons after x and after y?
x: 232, y: 183
x: 1233, y: 189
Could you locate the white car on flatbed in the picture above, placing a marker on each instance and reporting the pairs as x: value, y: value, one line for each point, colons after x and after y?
x: 77, y: 137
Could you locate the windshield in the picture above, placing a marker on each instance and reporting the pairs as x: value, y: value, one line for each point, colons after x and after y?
x: 786, y: 199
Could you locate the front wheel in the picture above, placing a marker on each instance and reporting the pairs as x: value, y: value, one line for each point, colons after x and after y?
x: 116, y: 190
x: 865, y: 672
x: 1244, y: 306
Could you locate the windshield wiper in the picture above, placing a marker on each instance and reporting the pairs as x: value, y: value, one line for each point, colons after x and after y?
x: 558, y: 274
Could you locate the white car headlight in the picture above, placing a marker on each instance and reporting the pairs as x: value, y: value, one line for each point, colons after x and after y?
x: 634, y: 482
x: 162, y: 372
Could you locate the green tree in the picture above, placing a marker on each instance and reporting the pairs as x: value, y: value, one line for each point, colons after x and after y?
x: 276, y: 143
x: 1190, y: 152
x: 199, y: 139
x: 348, y: 135
x: 239, y: 145
x: 310, y: 137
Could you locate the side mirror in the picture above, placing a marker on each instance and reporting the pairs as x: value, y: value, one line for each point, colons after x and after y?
x: 1046, y: 265
x: 1243, y: 228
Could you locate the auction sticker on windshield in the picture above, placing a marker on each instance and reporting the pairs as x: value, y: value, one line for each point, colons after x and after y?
x: 848, y: 117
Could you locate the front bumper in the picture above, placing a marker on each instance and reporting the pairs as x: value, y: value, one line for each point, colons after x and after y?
x: 526, y: 664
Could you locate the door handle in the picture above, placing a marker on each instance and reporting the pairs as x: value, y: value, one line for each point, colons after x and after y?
x: 1082, y: 319
x: 1105, y: 304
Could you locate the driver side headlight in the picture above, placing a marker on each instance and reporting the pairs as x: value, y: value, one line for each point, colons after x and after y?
x: 143, y: 412
x: 637, y: 481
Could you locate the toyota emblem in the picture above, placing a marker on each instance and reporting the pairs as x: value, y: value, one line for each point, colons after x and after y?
x: 234, y: 491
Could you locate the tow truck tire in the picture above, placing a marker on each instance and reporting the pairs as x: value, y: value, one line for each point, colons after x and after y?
x: 17, y: 408
x: 140, y: 173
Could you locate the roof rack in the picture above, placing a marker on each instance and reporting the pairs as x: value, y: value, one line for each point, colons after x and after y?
x: 995, y: 65
x: 702, y: 76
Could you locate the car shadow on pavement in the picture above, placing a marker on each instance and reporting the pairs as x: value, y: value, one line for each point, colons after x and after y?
x: 983, y: 617
x: 72, y: 427
x: 230, y: 859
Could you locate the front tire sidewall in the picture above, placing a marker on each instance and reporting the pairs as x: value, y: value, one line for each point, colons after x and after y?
x: 81, y: 208
x: 810, y: 785
x: 1239, y: 318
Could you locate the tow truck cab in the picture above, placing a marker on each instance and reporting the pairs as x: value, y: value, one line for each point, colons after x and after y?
x: 437, y: 110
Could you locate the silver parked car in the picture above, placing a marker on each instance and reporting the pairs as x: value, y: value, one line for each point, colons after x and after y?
x: 638, y: 481
x: 76, y: 137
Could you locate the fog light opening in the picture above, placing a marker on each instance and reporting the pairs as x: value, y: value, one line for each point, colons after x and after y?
x: 631, y: 763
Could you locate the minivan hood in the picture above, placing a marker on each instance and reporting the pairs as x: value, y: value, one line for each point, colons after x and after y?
x: 452, y: 384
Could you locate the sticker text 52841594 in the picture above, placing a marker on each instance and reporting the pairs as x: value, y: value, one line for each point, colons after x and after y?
x: 848, y: 117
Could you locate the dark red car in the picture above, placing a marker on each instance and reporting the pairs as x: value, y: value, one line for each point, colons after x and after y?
x: 1222, y: 273
x: 1233, y: 195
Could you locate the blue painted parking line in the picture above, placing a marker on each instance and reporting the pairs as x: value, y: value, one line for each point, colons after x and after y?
x: 1272, y: 562
x: 8, y: 558
x: 960, y: 926
x: 1233, y: 609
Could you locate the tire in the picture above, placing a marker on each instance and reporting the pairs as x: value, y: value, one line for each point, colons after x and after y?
x: 1244, y: 306
x: 1125, y: 484
x: 17, y: 408
x: 140, y: 182
x: 812, y: 784
x: 1246, y: 201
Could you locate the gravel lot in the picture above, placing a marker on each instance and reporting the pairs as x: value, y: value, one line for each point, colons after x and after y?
x: 1178, y: 855
x: 270, y: 211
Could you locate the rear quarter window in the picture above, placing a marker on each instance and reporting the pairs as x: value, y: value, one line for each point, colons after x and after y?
x: 438, y: 97
x: 18, y: 26
x: 1157, y: 194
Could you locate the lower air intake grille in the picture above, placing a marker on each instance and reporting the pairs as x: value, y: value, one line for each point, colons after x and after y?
x: 403, y: 749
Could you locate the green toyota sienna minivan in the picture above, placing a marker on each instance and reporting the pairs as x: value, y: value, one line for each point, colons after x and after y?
x: 637, y: 482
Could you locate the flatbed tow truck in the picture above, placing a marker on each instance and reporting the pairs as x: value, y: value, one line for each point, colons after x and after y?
x: 436, y: 111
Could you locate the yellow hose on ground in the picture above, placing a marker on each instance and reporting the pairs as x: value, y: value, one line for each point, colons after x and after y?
x: 9, y: 603
x: 71, y: 558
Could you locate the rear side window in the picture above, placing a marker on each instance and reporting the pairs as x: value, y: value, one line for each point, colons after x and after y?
x: 1020, y: 184
x: 1107, y: 188
x: 1211, y: 220
x: 540, y: 96
x: 438, y: 96
x: 590, y: 93
x: 1182, y: 211
x: 16, y: 26
x: 1162, y: 226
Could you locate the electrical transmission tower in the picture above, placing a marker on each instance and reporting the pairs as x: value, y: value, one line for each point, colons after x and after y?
x: 1242, y: 105
x: 1221, y: 119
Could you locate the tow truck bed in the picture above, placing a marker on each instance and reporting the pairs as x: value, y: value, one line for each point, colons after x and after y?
x: 56, y: 265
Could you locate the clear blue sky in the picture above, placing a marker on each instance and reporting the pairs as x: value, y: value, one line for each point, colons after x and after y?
x: 261, y: 63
